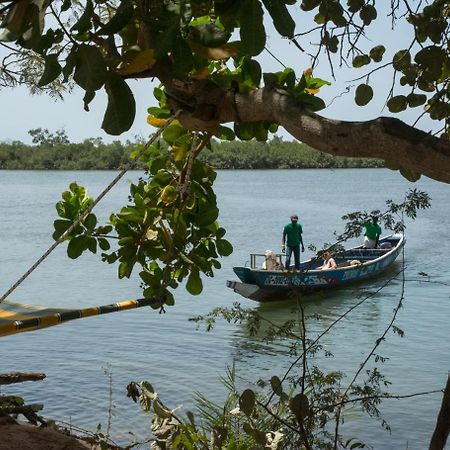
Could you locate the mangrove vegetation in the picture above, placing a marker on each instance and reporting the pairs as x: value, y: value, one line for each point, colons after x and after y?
x: 55, y: 152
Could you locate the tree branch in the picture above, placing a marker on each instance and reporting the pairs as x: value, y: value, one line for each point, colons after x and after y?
x: 20, y: 377
x: 385, y: 138
x: 442, y: 429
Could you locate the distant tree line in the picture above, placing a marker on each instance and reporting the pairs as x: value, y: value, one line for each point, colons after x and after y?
x: 55, y: 152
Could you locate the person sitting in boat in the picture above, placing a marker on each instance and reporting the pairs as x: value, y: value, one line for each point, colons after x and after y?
x: 270, y: 261
x: 328, y: 262
x: 372, y: 232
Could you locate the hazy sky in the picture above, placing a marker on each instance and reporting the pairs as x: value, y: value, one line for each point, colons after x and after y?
x: 21, y: 111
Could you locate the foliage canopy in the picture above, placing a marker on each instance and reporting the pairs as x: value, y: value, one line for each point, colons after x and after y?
x: 211, y: 46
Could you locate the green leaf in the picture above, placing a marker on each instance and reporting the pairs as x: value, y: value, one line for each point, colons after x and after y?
x: 47, y: 40
x: 170, y: 300
x: 60, y: 226
x: 90, y: 222
x: 207, y: 214
x: 410, y: 175
x: 309, y: 5
x: 209, y: 35
x: 300, y: 406
x: 367, y: 14
x: 225, y: 133
x: 397, y: 104
x: 173, y: 132
x: 125, y: 268
x: 355, y: 5
x: 276, y: 385
x: 88, y: 97
x: 287, y: 77
x: 92, y: 245
x: 194, y: 283
x: 424, y: 85
x: 431, y: 60
x: 224, y: 247
x: 220, y: 233
x: 90, y: 70
x: 104, y: 244
x: 120, y: 19
x: 244, y: 130
x: 438, y: 110
x: 84, y: 23
x: 361, y: 60
x: 146, y: 277
x: 76, y: 246
x: 311, y: 102
x: 66, y: 4
x: 401, y: 60
x: 169, y: 194
x: 121, y: 110
x: 252, y: 32
x: 71, y: 62
x: 247, y: 402
x: 52, y: 70
x: 415, y: 100
x: 376, y: 53
x: 315, y: 83
x: 251, y: 69
x: 363, y: 94
x: 260, y: 131
x: 332, y: 43
x: 282, y: 20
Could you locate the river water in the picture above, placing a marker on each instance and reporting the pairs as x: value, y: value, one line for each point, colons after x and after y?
x: 80, y: 357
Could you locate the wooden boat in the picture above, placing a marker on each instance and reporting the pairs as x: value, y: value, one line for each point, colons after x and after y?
x: 353, y: 265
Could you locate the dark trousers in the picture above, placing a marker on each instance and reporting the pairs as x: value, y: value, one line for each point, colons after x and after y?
x: 296, y: 251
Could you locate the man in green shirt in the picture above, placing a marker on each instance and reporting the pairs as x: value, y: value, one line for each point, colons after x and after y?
x: 293, y: 232
x: 372, y: 232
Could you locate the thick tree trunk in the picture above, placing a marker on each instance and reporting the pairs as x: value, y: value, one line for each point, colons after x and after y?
x: 389, y: 139
x: 442, y: 429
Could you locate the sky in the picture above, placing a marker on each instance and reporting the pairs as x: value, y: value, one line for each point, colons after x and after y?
x: 21, y: 111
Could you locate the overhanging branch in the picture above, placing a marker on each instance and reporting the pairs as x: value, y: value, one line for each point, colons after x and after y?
x: 385, y: 138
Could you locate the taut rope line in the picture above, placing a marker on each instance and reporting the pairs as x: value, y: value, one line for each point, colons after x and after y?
x: 90, y: 208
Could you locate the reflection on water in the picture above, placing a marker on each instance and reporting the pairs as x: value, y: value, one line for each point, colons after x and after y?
x: 322, y: 311
x: 178, y: 359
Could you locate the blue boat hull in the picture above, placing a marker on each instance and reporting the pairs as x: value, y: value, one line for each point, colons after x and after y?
x: 265, y: 282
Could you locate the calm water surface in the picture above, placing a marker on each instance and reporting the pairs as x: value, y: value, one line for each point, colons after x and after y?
x: 179, y: 359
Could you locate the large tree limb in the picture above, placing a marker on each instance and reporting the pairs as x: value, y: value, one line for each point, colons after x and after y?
x: 442, y: 429
x: 385, y: 138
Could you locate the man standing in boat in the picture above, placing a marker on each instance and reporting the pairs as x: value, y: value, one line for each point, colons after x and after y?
x: 293, y: 232
x: 372, y: 232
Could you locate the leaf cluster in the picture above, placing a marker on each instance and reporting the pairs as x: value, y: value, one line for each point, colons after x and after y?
x: 169, y: 227
x: 393, y: 218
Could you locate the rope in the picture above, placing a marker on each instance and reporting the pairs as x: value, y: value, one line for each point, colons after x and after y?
x: 89, y: 209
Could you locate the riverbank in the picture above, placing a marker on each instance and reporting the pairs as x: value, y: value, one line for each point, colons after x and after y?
x: 93, y: 154
x: 21, y: 436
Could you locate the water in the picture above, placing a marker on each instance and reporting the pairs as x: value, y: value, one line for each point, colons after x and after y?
x: 179, y: 359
